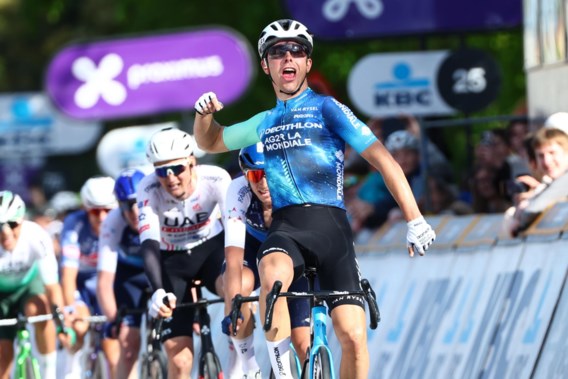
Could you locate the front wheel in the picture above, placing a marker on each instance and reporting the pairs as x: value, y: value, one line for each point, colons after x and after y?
x: 321, y: 368
x: 96, y: 366
x: 294, y: 366
x: 210, y: 367
x: 154, y: 366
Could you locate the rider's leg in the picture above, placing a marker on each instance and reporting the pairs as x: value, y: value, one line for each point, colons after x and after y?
x: 180, y: 356
x: 301, y: 341
x: 300, y: 318
x: 45, y: 335
x: 243, y: 342
x: 272, y: 267
x: 350, y: 328
x: 111, y: 350
x: 129, y: 340
x: 6, y: 358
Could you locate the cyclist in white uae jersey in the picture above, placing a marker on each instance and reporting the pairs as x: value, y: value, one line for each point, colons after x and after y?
x: 29, y: 282
x: 181, y: 236
x: 304, y: 138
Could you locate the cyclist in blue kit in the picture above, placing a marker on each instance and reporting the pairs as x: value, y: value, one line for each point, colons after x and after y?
x: 79, y: 256
x: 248, y: 217
x: 304, y: 138
x: 121, y: 280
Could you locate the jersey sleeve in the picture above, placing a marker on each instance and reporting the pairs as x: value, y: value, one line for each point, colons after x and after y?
x: 343, y: 122
x: 47, y: 262
x: 70, y: 249
x: 109, y: 241
x: 221, y: 189
x: 148, y: 220
x: 237, y: 202
x: 243, y: 134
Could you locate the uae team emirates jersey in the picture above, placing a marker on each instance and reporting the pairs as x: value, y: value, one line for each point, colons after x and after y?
x: 183, y: 224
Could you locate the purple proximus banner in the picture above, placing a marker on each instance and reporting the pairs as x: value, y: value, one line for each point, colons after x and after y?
x: 150, y: 74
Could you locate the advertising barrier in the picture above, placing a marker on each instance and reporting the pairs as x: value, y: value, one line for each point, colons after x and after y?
x: 476, y: 306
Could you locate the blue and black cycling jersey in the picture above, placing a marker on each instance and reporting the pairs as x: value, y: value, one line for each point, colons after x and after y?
x: 304, y: 143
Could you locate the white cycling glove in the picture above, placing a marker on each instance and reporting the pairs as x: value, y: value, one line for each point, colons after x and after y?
x: 208, y: 103
x: 158, y: 300
x: 420, y: 236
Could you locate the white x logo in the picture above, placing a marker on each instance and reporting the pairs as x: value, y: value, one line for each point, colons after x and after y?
x: 335, y: 10
x: 98, y: 81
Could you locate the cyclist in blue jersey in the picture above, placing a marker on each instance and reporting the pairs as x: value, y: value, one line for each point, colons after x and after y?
x: 304, y: 140
x: 248, y: 217
x: 79, y: 255
x: 121, y: 280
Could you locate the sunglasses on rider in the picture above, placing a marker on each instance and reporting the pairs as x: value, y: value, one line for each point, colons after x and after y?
x: 12, y: 224
x: 254, y: 176
x: 165, y: 171
x: 279, y: 51
x: 98, y: 211
x: 126, y: 205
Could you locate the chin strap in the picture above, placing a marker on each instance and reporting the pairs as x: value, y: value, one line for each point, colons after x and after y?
x: 297, y: 89
x: 284, y: 92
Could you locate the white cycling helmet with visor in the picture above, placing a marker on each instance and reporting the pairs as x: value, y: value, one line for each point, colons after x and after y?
x: 168, y: 144
x: 98, y: 192
x: 284, y: 30
x: 12, y: 208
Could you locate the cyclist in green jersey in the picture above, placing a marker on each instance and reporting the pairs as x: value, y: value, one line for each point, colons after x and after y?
x: 29, y: 282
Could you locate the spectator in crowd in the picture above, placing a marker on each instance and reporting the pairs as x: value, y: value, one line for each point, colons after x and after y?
x: 370, y: 209
x: 486, y: 193
x: 443, y: 198
x: 558, y: 120
x: 551, y: 152
x: 517, y: 131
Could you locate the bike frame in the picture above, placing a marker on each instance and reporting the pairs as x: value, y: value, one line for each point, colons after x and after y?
x: 24, y: 343
x: 319, y: 337
x: 318, y: 319
x: 24, y: 352
x: 204, y: 320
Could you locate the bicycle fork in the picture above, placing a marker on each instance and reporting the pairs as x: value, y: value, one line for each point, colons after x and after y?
x: 319, y: 338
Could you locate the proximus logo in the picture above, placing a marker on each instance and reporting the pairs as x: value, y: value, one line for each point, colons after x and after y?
x: 98, y: 81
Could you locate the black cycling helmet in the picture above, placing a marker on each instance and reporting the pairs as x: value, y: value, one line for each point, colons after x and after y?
x: 284, y: 30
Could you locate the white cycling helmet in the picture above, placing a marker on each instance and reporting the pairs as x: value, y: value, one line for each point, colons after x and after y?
x: 284, y: 30
x: 401, y: 139
x: 12, y: 207
x: 168, y: 144
x: 98, y: 192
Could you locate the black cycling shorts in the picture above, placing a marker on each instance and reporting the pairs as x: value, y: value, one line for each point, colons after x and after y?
x: 179, y: 269
x: 317, y: 236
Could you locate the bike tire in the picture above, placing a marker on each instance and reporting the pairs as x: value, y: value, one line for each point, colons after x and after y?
x: 210, y: 367
x: 96, y: 368
x: 322, y: 365
x: 154, y: 366
x: 294, y: 366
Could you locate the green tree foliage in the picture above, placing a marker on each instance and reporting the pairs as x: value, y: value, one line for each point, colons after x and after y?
x: 33, y: 31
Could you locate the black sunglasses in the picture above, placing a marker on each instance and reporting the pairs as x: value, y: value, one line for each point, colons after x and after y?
x: 165, y: 171
x: 279, y: 51
x: 12, y: 224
